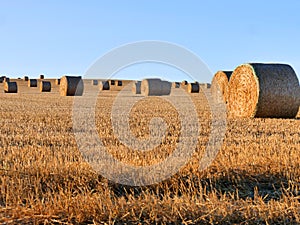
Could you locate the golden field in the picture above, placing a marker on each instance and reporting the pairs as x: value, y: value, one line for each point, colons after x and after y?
x: 255, y: 177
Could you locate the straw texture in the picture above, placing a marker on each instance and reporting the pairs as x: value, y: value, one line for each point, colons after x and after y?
x: 263, y: 90
x: 57, y: 81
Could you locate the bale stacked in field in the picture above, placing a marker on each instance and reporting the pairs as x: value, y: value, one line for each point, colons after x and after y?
x: 45, y: 86
x: 71, y: 86
x: 175, y: 85
x: 193, y: 87
x: 57, y: 81
x: 263, y: 90
x: 94, y: 82
x: 32, y: 83
x: 6, y: 79
x: 1, y: 79
x: 25, y: 78
x: 219, y: 85
x: 184, y: 82
x: 104, y: 86
x: 42, y: 77
x: 136, y: 87
x: 10, y: 87
x: 155, y: 87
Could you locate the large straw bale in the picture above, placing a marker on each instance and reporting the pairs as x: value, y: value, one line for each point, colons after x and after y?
x: 155, y: 87
x: 10, y: 87
x: 45, y: 86
x: 263, y: 90
x: 219, y: 85
x: 71, y: 86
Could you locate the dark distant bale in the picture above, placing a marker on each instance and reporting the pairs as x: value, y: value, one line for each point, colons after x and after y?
x: 104, y: 86
x: 42, y: 77
x: 10, y: 87
x: 45, y: 86
x: 32, y: 83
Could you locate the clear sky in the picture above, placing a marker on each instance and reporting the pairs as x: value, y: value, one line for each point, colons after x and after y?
x: 65, y: 37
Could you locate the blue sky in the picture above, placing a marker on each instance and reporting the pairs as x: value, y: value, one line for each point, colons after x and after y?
x: 66, y: 37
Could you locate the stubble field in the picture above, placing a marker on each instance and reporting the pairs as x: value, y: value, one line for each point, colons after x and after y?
x: 255, y: 177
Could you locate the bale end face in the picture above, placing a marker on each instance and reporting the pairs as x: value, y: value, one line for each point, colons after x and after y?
x: 219, y: 86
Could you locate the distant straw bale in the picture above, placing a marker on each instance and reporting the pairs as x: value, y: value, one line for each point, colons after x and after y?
x: 136, y: 87
x: 45, y: 86
x: 71, y: 86
x: 193, y: 87
x: 263, y: 90
x: 155, y: 87
x: 104, y: 86
x: 95, y: 82
x: 25, y: 78
x: 57, y: 81
x: 10, y: 87
x: 219, y: 85
x: 32, y: 83
x: 42, y: 77
x: 175, y: 85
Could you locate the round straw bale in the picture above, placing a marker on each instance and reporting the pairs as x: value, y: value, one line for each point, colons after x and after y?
x: 112, y: 82
x: 175, y: 85
x: 25, y: 78
x: 104, y: 86
x: 57, y: 81
x: 184, y: 82
x: 94, y: 82
x: 10, y: 87
x: 119, y: 83
x: 42, y: 77
x: 45, y: 86
x: 193, y: 88
x: 6, y: 79
x: 263, y: 90
x: 219, y: 85
x: 71, y: 86
x: 136, y: 87
x: 1, y: 79
x: 155, y: 87
x: 32, y: 83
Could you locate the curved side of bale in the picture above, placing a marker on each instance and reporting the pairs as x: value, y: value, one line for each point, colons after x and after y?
x: 155, y: 87
x: 25, y: 78
x: 32, y: 83
x: 219, y: 85
x: 10, y: 87
x: 71, y: 86
x: 57, y: 81
x: 104, y: 86
x: 94, y: 82
x: 175, y: 85
x: 136, y: 87
x: 45, y: 86
x: 193, y: 88
x: 263, y: 90
x: 6, y: 79
x: 42, y: 77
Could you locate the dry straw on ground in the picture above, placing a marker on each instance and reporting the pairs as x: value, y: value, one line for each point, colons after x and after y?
x: 42, y: 77
x: 32, y: 83
x: 136, y: 87
x: 10, y: 87
x: 155, y: 87
x: 219, y: 85
x: 71, y: 86
x: 193, y: 87
x: 104, y: 86
x: 57, y: 81
x: 25, y: 78
x: 175, y: 85
x: 45, y: 86
x: 263, y: 90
